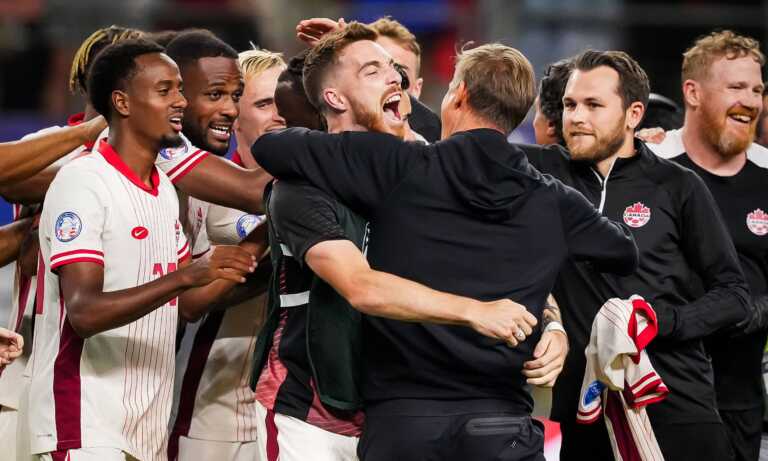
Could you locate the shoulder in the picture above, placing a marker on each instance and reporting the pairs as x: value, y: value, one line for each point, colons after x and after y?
x: 671, y: 146
x: 85, y: 171
x: 758, y: 155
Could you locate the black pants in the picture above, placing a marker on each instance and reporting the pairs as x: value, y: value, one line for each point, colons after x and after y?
x: 426, y: 430
x: 744, y: 428
x: 678, y: 442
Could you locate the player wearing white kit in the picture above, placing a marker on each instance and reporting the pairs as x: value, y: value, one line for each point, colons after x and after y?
x: 216, y: 416
x: 112, y: 256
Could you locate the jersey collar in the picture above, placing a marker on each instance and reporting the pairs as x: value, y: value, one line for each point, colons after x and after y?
x: 109, y: 154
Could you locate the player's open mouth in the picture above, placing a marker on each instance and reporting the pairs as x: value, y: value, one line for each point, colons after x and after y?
x: 391, y: 107
x: 741, y: 118
x: 221, y: 132
x: 175, y: 123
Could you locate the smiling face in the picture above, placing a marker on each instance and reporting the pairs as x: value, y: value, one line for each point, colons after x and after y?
x: 258, y: 111
x: 155, y: 100
x: 366, y: 82
x: 594, y: 117
x: 731, y: 102
x: 213, y: 87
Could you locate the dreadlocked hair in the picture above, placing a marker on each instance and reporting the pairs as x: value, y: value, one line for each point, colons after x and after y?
x: 91, y: 46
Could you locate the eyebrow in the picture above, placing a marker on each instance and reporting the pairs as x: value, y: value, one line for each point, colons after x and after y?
x: 264, y: 100
x: 375, y: 63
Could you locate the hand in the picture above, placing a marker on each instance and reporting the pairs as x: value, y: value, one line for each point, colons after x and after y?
x: 11, y: 346
x: 503, y: 319
x: 651, y: 135
x: 93, y: 128
x: 228, y: 262
x: 549, y: 357
x: 310, y: 31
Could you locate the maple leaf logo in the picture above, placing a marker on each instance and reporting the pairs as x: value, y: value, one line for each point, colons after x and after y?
x: 757, y: 222
x: 637, y: 215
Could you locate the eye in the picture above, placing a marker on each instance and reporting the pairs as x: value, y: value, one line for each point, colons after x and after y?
x: 593, y: 105
x: 214, y: 95
x: 163, y: 91
x: 236, y: 96
x: 372, y: 72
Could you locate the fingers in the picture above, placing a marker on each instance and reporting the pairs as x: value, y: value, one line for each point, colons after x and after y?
x: 542, y: 346
x: 234, y: 257
x: 231, y: 275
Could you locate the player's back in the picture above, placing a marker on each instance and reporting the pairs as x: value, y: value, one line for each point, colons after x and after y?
x: 114, y: 388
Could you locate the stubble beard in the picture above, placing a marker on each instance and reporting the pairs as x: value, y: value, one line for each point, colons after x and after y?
x: 727, y: 145
x: 604, y: 147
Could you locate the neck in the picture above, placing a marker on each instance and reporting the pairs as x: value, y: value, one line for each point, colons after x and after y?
x: 468, y: 120
x: 626, y: 150
x: 340, y: 122
x: 90, y: 112
x: 704, y: 154
x: 136, y: 152
x: 244, y: 151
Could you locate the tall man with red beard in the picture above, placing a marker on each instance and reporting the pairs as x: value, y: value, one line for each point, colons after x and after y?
x: 688, y: 270
x: 723, y: 93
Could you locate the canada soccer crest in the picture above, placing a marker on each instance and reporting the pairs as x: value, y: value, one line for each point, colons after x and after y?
x: 68, y: 226
x: 637, y: 215
x: 757, y: 222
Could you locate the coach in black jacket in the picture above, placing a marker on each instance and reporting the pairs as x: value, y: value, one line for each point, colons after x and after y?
x: 467, y: 215
x: 689, y: 270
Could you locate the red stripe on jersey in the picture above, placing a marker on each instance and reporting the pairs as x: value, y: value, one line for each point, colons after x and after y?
x: 185, y: 166
x: 66, y: 389
x: 109, y: 154
x: 76, y: 119
x: 625, y: 442
x: 68, y: 253
x: 25, y: 283
x: 273, y: 449
x: 237, y: 159
x: 198, y: 357
x: 319, y: 416
x: 40, y: 289
x: 184, y: 249
x: 83, y: 259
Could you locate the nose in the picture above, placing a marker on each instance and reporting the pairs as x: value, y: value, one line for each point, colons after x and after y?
x: 180, y: 102
x: 229, y: 108
x: 276, y: 117
x: 577, y: 115
x: 393, y: 76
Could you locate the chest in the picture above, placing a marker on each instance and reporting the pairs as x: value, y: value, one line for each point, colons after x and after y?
x: 745, y: 213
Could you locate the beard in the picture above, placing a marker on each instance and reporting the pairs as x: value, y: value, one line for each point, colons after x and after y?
x: 727, y: 143
x: 196, y: 136
x: 373, y: 120
x: 171, y: 140
x: 604, y: 146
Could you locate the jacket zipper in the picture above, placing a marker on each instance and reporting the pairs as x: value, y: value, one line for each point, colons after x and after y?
x: 603, y: 185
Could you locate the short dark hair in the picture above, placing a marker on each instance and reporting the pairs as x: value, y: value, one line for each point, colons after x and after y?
x: 325, y: 53
x: 551, y: 89
x: 163, y: 37
x: 194, y: 44
x: 91, y: 46
x: 634, y: 85
x: 294, y: 75
x: 113, y: 68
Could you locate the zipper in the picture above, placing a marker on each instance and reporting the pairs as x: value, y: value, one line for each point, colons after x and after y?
x: 603, y: 185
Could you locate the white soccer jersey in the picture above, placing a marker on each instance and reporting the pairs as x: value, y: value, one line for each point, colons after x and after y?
x: 214, y: 365
x: 672, y: 146
x: 114, y: 388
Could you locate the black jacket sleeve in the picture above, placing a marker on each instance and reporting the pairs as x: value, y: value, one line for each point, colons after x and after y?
x: 358, y: 168
x: 710, y: 253
x: 592, y: 237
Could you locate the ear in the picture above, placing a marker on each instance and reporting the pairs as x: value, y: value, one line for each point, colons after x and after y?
x: 415, y: 88
x: 692, y: 93
x: 120, y: 103
x: 634, y: 114
x: 551, y: 129
x: 334, y: 100
x: 460, y: 95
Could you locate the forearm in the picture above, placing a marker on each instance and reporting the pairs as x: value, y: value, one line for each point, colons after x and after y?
x: 12, y: 237
x: 718, y: 309
x: 94, y: 313
x: 22, y: 159
x: 29, y: 191
x: 385, y: 295
x: 221, y: 182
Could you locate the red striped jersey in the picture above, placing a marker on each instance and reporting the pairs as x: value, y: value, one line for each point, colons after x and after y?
x: 114, y: 388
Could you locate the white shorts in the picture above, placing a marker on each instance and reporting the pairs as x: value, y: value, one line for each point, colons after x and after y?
x: 23, y: 444
x: 196, y: 450
x: 87, y: 454
x: 8, y: 423
x: 290, y: 439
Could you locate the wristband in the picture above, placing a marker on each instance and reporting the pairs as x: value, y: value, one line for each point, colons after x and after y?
x: 555, y: 326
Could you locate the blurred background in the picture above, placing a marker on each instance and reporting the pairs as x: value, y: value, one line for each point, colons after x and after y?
x: 38, y: 37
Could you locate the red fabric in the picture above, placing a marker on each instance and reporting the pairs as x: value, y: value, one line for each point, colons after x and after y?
x: 66, y: 389
x: 113, y: 159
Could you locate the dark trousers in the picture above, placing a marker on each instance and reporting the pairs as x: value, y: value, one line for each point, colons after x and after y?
x: 426, y: 430
x: 678, y: 442
x: 744, y: 428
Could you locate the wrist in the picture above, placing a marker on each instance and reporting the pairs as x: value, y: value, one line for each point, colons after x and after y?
x: 555, y: 326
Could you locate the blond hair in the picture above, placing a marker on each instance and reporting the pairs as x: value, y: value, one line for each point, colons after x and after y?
x: 254, y: 62
x: 500, y: 83
x: 91, y: 46
x: 390, y: 28
x: 698, y: 58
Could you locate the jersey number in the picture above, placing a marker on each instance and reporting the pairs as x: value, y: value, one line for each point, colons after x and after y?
x: 157, y: 270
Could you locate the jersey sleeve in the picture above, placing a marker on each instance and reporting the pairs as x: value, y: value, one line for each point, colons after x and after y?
x: 590, y: 236
x: 75, y: 212
x: 176, y: 162
x: 228, y: 226
x: 302, y: 217
x: 359, y: 168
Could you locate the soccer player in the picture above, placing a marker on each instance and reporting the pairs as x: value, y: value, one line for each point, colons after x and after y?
x: 217, y: 415
x: 688, y: 269
x: 112, y: 267
x: 291, y: 99
x: 723, y: 93
x: 444, y: 215
x: 548, y: 121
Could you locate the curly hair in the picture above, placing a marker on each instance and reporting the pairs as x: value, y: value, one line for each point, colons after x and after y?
x: 708, y: 48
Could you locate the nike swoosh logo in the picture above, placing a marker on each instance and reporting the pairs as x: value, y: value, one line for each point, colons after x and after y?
x: 139, y: 232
